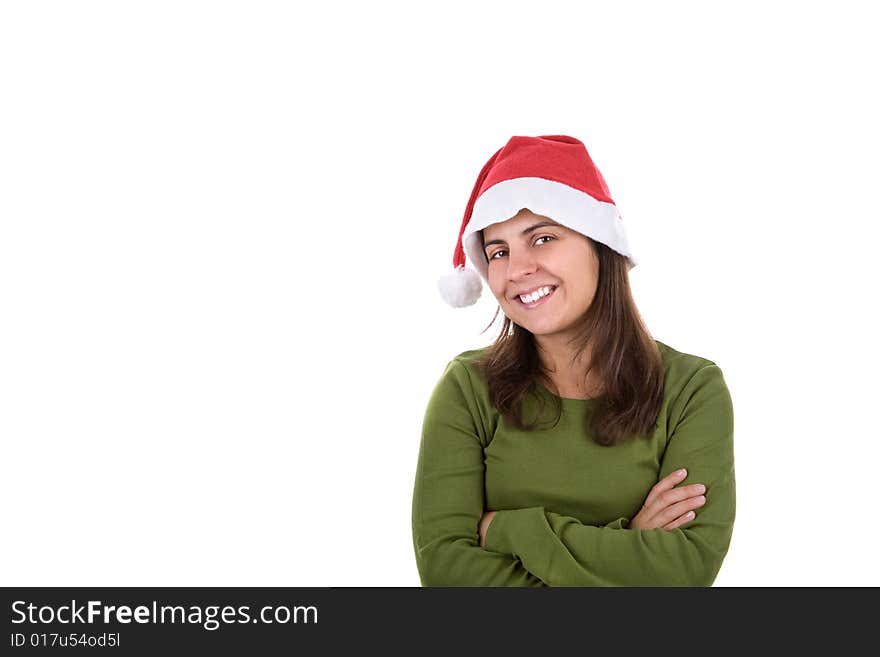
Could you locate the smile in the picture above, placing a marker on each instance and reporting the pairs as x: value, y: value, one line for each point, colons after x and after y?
x: 537, y: 297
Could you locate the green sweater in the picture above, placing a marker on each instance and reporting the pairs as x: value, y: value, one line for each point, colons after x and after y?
x: 564, y: 502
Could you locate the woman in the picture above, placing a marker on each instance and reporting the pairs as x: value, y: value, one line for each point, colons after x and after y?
x: 576, y: 450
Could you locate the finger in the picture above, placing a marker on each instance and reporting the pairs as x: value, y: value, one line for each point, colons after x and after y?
x: 670, y: 497
x: 665, y: 484
x: 678, y: 522
x: 671, y: 513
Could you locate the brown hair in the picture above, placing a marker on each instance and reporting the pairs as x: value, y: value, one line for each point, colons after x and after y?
x: 625, y: 359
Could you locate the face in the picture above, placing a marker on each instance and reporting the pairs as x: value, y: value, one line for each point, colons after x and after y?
x: 531, y: 255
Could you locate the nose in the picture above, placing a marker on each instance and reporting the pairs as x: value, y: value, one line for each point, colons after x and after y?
x: 520, y: 263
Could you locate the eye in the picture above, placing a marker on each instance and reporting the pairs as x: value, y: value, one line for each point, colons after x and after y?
x: 494, y: 256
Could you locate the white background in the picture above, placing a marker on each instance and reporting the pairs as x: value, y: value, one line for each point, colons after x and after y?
x: 223, y: 222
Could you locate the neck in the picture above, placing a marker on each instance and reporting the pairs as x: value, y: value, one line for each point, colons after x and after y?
x: 571, y: 378
x: 556, y: 354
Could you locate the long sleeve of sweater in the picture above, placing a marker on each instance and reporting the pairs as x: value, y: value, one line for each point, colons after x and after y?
x: 448, y: 498
x: 560, y: 550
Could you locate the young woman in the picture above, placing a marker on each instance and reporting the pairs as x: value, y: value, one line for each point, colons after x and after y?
x: 575, y: 450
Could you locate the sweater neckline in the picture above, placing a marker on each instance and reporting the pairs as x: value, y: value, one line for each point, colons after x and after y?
x: 567, y: 401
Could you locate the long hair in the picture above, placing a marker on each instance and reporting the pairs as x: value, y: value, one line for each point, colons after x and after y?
x: 624, y: 357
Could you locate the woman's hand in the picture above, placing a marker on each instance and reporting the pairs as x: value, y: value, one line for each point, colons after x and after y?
x: 668, y: 507
x: 484, y: 525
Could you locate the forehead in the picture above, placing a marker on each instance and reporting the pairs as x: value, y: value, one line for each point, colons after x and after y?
x: 513, y: 226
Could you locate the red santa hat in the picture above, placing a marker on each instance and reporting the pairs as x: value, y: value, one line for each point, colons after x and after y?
x: 551, y: 175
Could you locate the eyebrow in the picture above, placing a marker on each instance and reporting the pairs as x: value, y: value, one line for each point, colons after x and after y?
x: 540, y: 224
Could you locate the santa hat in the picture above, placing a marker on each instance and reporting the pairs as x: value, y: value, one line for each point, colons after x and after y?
x: 552, y: 176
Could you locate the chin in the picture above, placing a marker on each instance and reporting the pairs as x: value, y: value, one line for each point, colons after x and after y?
x: 541, y: 328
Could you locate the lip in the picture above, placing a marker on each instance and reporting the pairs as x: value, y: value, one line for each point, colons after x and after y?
x: 540, y: 301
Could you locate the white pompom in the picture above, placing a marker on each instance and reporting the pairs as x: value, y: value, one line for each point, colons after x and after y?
x: 460, y: 288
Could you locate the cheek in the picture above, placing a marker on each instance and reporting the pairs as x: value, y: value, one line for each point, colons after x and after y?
x: 580, y: 270
x: 586, y: 293
x: 496, y: 283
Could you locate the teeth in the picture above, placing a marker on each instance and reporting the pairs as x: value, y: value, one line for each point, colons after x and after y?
x: 537, y: 294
